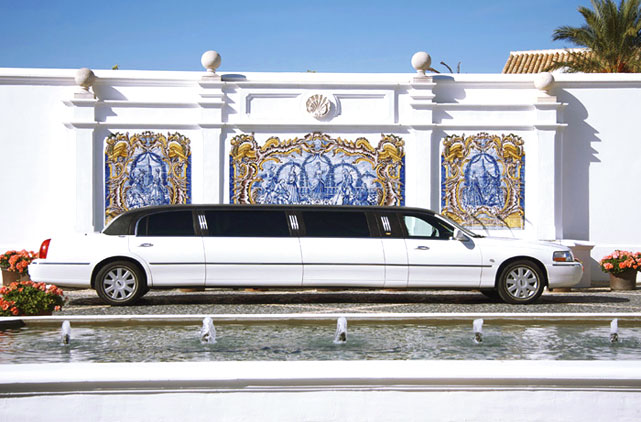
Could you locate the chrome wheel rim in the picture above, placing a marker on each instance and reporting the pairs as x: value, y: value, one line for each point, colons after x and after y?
x: 522, y: 283
x: 119, y: 283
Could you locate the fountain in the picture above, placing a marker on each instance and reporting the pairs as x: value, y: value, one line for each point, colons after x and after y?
x: 477, y: 326
x: 208, y: 331
x: 614, y: 331
x: 154, y: 367
x: 341, y: 331
x: 65, y: 332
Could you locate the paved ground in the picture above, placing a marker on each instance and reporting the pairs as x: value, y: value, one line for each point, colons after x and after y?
x: 248, y: 301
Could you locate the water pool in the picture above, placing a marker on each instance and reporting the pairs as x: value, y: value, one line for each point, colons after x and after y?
x: 421, y: 340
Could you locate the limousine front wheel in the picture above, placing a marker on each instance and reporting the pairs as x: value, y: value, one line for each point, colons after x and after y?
x: 521, y: 282
x: 120, y: 283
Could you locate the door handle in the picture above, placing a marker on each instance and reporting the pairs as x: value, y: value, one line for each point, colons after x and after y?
x: 145, y: 245
x: 422, y: 248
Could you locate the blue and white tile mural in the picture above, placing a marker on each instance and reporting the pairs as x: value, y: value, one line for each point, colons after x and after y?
x: 146, y: 169
x: 483, y: 180
x: 317, y: 169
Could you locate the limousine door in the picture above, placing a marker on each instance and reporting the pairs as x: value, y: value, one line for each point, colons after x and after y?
x: 167, y: 241
x: 396, y: 270
x: 338, y: 250
x: 437, y: 260
x: 250, y: 248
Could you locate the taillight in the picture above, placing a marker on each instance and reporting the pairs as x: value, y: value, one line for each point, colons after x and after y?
x: 44, y: 248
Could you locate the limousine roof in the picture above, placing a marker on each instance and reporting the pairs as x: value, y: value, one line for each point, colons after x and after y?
x: 125, y: 223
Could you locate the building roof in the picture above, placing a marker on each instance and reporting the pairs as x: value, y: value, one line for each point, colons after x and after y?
x: 536, y: 61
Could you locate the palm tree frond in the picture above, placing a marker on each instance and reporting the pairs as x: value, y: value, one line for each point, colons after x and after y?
x: 612, y: 33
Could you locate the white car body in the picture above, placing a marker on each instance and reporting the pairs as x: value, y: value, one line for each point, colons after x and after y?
x: 393, y: 258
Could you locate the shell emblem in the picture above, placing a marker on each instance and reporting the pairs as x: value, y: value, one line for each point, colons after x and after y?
x: 318, y: 106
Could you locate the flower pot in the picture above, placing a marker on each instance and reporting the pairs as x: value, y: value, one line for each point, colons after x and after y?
x: 626, y: 280
x: 9, y: 277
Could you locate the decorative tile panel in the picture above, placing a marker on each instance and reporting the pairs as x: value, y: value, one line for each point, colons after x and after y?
x: 317, y: 169
x: 483, y: 180
x: 146, y: 169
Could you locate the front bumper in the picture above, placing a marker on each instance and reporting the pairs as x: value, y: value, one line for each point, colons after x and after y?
x: 564, y: 274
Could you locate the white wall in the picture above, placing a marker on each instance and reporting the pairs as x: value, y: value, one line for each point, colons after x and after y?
x: 582, y: 153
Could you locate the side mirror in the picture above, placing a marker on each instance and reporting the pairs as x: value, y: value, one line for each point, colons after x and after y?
x: 459, y: 235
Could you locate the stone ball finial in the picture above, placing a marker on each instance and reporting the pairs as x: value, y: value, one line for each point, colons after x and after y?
x: 210, y: 60
x: 543, y: 81
x: 421, y: 61
x: 85, y: 78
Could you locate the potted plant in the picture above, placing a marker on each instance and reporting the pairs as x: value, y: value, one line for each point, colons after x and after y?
x: 15, y: 265
x: 28, y: 298
x: 622, y: 267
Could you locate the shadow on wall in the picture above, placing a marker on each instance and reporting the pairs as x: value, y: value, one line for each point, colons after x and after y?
x: 100, y: 135
x: 106, y: 92
x: 578, y: 155
x: 446, y: 90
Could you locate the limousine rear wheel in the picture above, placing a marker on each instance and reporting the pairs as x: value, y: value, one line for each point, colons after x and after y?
x: 120, y: 283
x: 521, y: 282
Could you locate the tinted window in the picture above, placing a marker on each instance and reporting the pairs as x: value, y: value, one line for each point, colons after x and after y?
x: 335, y: 224
x: 426, y: 226
x: 247, y: 223
x: 173, y: 223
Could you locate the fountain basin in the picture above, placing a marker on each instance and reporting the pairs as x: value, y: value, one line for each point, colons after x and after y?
x: 334, y: 390
x: 342, y: 390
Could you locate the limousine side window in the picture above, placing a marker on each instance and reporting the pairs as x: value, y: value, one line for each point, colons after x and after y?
x: 426, y: 227
x: 261, y: 223
x: 173, y: 223
x: 335, y: 224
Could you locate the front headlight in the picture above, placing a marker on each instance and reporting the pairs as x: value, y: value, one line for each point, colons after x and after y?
x: 562, y: 256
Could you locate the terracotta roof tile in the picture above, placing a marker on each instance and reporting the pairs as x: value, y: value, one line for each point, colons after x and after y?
x: 535, y: 61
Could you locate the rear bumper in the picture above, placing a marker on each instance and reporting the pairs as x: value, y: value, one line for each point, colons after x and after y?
x: 564, y: 274
x: 62, y: 274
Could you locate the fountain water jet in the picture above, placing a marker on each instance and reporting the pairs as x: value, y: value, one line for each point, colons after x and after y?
x: 208, y: 331
x: 477, y: 326
x: 341, y: 331
x: 65, y: 332
x: 614, y: 331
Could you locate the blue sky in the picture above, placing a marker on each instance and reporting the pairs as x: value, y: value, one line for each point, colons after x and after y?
x: 282, y: 36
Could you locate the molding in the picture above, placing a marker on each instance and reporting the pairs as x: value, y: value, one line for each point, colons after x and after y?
x: 155, y: 104
x: 559, y: 127
x: 317, y: 126
x: 498, y: 106
x: 131, y: 125
x: 490, y: 126
x: 81, y: 102
x: 212, y: 84
x: 328, y: 317
x: 315, y: 85
x: 131, y: 104
x: 145, y: 82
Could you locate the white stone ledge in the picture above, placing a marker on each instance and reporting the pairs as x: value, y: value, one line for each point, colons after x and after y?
x: 133, y: 125
x: 276, y: 376
x: 519, y: 317
x: 185, y: 78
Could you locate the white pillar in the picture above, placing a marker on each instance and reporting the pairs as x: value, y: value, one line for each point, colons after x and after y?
x: 550, y: 173
x: 213, y: 161
x: 422, y: 190
x: 84, y: 125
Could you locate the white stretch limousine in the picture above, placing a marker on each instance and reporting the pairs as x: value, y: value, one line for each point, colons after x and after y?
x: 299, y: 246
